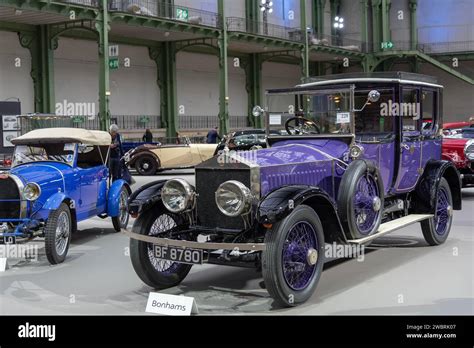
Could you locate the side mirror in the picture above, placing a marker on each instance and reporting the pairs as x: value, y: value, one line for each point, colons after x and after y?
x: 257, y: 111
x: 373, y: 96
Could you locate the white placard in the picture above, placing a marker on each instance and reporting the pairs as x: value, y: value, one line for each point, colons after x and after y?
x: 3, y: 264
x: 343, y: 117
x: 8, y: 136
x: 113, y: 50
x: 170, y: 304
x: 275, y: 120
x: 10, y: 123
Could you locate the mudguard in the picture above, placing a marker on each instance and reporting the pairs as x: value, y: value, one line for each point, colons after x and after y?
x: 427, y: 188
x: 113, y: 197
x: 53, y: 202
x: 278, y: 204
x: 145, y: 197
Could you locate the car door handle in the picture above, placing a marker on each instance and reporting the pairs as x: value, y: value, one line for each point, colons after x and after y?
x: 404, y: 146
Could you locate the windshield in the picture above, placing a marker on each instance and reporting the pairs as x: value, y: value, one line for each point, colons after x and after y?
x: 322, y: 112
x: 63, y: 153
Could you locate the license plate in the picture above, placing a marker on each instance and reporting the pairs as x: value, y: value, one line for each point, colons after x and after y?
x: 9, y: 240
x: 190, y: 256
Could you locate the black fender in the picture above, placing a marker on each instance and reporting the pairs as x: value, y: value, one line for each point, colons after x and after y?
x: 143, y: 151
x: 278, y: 204
x: 145, y: 197
x: 428, y: 185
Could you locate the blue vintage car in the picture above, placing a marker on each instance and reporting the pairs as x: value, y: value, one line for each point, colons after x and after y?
x: 58, y: 178
x: 351, y: 163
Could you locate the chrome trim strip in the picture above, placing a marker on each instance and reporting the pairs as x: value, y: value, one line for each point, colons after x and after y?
x: 195, y: 245
x: 23, y: 202
x: 367, y: 79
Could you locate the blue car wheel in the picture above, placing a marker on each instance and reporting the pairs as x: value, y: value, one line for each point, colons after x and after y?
x: 57, y: 233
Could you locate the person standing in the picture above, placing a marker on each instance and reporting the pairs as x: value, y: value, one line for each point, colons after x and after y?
x: 116, y: 153
x: 212, y: 136
x: 148, y: 136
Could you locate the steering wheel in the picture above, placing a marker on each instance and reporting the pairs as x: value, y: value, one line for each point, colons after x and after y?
x: 301, y: 126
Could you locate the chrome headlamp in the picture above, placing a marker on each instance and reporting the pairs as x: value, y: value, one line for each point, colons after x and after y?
x: 469, y: 149
x: 356, y: 151
x: 178, y: 195
x: 31, y: 191
x: 233, y: 198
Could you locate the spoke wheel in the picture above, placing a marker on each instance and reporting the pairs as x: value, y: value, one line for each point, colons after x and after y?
x: 57, y: 234
x: 294, y: 257
x: 436, y: 229
x: 121, y: 221
x: 155, y: 272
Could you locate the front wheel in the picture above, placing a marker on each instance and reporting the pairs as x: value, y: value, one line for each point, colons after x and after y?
x: 121, y: 221
x: 155, y: 272
x: 294, y: 257
x: 146, y: 165
x: 436, y: 229
x: 57, y: 233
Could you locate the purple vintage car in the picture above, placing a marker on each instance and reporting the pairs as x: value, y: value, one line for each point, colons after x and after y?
x: 351, y: 163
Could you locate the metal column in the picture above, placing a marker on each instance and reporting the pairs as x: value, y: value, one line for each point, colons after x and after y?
x: 102, y: 26
x: 223, y: 74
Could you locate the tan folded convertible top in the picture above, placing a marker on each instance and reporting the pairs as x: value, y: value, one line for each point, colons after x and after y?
x: 64, y: 135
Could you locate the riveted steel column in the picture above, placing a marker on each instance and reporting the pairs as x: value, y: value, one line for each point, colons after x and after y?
x: 386, y: 20
x: 318, y: 17
x: 170, y: 89
x: 42, y: 67
x: 102, y: 26
x: 223, y: 73
x: 413, y: 24
x: 304, y: 30
x: 164, y: 57
x: 252, y: 15
x: 364, y: 32
x: 253, y: 74
x: 376, y: 25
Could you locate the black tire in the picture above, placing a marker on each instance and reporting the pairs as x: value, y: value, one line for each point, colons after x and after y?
x: 273, y: 258
x: 55, y: 249
x: 121, y: 221
x: 428, y: 227
x: 345, y: 199
x: 141, y: 252
x: 146, y: 165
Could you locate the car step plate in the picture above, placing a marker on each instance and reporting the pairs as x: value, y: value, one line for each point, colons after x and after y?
x: 391, y: 226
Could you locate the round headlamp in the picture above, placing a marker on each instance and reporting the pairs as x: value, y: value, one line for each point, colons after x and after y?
x: 356, y: 151
x: 233, y: 198
x: 469, y: 149
x: 31, y: 191
x: 177, y: 195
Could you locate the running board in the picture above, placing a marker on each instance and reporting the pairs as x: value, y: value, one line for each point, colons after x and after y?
x: 391, y: 226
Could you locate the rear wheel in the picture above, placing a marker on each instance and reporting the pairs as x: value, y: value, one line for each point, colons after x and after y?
x: 155, y: 272
x: 57, y: 233
x: 121, y: 221
x: 436, y: 229
x: 294, y: 257
x: 146, y: 165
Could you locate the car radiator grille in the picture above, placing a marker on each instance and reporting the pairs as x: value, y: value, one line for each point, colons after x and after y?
x: 207, y: 182
x: 9, y: 199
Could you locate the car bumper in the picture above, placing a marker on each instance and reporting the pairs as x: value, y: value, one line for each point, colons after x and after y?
x: 196, y: 245
x: 467, y: 179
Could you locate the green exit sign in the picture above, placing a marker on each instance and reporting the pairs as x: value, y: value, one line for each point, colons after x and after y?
x: 182, y: 14
x: 387, y: 44
x: 113, y: 63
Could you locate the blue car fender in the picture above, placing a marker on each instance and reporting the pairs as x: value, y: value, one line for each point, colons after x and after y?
x: 53, y: 202
x: 113, y: 197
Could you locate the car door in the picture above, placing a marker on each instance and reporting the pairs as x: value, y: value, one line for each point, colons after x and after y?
x: 409, y: 169
x: 174, y: 156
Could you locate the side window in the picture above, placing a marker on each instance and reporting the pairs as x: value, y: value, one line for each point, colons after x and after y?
x: 88, y: 156
x: 410, y: 110
x: 375, y: 121
x: 428, y: 109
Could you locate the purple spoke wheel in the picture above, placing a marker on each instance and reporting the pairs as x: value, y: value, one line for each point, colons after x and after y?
x: 299, y: 255
x: 367, y: 204
x: 443, y: 212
